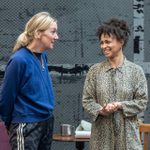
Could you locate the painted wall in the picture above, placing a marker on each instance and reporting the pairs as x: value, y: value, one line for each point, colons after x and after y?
x: 78, y: 46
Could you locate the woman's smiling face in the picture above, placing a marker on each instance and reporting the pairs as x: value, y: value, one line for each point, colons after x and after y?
x: 49, y: 36
x: 110, y: 46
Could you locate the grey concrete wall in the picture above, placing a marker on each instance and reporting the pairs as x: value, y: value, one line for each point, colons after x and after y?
x: 147, y: 30
x: 77, y: 24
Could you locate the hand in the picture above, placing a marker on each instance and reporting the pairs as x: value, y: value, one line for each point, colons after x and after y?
x: 117, y: 104
x: 107, y: 109
x: 103, y: 113
x: 110, y: 108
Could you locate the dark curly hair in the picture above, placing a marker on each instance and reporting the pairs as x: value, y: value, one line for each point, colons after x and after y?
x: 115, y: 27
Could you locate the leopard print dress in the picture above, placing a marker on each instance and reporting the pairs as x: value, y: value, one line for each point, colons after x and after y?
x: 126, y: 84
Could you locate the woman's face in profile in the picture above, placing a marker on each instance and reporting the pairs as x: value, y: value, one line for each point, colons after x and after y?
x: 49, y: 36
x: 110, y: 46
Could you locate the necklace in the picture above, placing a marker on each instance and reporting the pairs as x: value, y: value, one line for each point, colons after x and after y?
x: 38, y: 56
x: 40, y: 59
x: 42, y: 63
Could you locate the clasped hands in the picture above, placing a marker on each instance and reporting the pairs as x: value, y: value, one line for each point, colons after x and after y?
x: 110, y: 108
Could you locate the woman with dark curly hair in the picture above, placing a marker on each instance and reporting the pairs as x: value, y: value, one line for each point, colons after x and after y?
x: 115, y: 92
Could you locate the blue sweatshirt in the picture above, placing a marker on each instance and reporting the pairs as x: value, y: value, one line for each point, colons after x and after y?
x: 27, y: 92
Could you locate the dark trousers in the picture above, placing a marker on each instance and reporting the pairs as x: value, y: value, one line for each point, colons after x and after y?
x: 31, y: 136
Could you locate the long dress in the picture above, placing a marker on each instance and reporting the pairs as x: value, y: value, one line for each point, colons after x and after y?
x: 126, y: 84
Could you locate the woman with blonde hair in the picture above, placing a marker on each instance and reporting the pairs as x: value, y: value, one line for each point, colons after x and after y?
x: 27, y: 100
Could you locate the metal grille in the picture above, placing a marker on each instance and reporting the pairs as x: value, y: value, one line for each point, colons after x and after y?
x: 76, y: 50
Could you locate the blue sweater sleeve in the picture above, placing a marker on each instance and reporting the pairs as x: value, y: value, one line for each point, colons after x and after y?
x: 10, y: 88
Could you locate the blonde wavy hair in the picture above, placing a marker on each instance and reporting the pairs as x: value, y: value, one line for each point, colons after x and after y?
x: 39, y: 22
